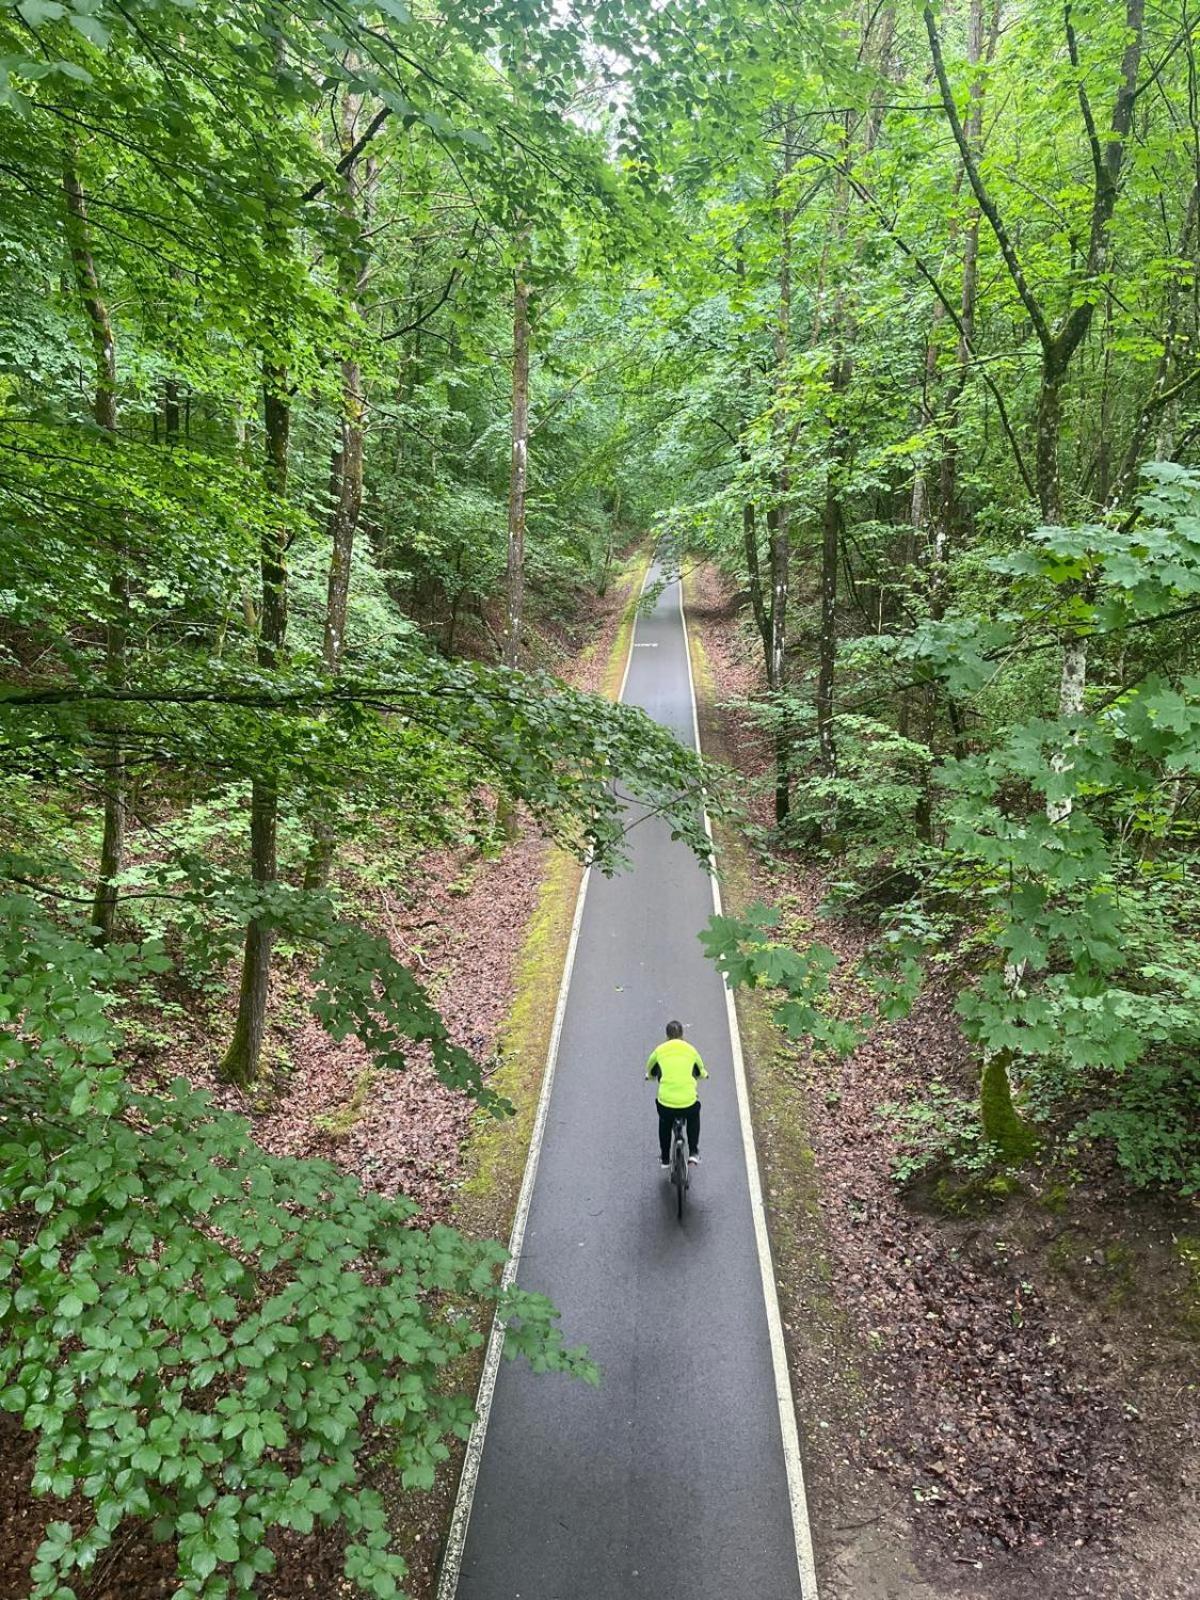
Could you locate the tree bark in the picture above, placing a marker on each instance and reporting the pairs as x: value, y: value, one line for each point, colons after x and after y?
x: 347, y: 460
x: 779, y: 516
x: 244, y: 1056
x: 242, y: 1059
x: 948, y: 517
x: 104, y: 409
x: 171, y: 413
x: 758, y: 604
x: 1049, y: 430
x: 831, y: 522
x: 518, y: 470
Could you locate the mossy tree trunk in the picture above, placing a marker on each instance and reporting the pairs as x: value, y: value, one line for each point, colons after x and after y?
x: 1002, y: 1125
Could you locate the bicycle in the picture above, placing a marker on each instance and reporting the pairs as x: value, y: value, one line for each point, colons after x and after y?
x: 680, y: 1171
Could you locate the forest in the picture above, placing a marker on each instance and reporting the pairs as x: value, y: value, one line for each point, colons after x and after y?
x: 368, y: 374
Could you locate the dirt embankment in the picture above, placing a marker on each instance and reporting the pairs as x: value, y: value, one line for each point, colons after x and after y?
x: 1000, y: 1398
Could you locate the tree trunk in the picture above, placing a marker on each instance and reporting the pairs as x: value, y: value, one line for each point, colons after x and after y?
x: 343, y: 526
x: 827, y: 649
x: 778, y: 518
x: 1049, y: 429
x: 831, y: 516
x: 346, y: 462
x: 104, y: 409
x: 777, y: 526
x: 1002, y: 1126
x: 344, y: 517
x: 948, y: 510
x: 758, y: 603
x: 518, y: 471
x: 171, y: 412
x: 242, y: 1059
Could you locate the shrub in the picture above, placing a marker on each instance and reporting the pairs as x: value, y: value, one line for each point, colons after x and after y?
x: 935, y: 1128
x: 202, y: 1335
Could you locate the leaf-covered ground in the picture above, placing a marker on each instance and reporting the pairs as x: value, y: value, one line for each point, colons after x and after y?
x: 460, y: 919
x: 999, y: 1402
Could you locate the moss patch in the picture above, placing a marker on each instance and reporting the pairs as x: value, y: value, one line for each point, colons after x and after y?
x: 337, y: 1124
x: 633, y: 578
x: 498, y: 1148
x: 1187, y: 1252
x: 1002, y: 1127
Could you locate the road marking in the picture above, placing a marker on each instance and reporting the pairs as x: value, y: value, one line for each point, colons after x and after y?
x: 456, y: 1539
x: 783, y: 1384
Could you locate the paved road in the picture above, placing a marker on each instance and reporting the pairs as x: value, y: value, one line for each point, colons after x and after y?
x: 669, y: 1481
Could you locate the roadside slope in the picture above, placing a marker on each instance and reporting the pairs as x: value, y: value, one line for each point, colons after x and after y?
x: 1000, y: 1400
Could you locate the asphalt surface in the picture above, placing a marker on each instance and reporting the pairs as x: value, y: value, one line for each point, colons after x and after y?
x: 669, y: 1481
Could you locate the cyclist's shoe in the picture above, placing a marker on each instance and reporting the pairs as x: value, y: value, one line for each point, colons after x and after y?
x: 694, y: 1161
x: 666, y: 1166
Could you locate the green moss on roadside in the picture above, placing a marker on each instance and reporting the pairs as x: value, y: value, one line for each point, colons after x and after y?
x: 498, y: 1148
x: 632, y: 578
x: 1187, y: 1253
x: 1187, y: 1249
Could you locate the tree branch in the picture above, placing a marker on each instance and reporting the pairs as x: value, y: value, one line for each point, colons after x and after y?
x: 986, y: 204
x: 1085, y: 105
x: 952, y: 311
x: 352, y: 155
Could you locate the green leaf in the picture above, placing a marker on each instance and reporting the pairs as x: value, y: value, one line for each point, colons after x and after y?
x: 91, y: 28
x: 35, y: 12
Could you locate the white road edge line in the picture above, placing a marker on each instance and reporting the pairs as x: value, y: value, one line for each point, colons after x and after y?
x: 783, y: 1384
x: 456, y: 1539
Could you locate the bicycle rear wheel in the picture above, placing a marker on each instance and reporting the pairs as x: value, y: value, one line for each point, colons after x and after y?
x: 679, y: 1167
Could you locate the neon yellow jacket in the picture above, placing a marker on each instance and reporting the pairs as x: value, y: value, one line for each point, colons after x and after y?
x: 679, y: 1065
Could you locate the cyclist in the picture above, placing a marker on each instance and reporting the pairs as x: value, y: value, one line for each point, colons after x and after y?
x: 677, y: 1068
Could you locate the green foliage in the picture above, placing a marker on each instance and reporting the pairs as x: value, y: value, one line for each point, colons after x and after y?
x: 831, y: 344
x: 1065, y: 843
x: 198, y: 1333
x: 938, y: 1128
x: 871, y: 803
x: 1152, y: 1124
x: 747, y: 956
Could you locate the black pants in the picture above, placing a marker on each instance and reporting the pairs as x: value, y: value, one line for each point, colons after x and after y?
x: 666, y: 1121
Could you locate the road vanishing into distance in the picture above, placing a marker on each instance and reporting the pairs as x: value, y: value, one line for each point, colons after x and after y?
x: 677, y: 1479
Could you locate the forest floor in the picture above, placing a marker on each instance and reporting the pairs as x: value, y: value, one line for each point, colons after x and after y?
x: 462, y: 920
x: 998, y: 1399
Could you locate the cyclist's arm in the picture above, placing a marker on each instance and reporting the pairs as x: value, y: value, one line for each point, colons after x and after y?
x: 653, y: 1070
x: 699, y: 1070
